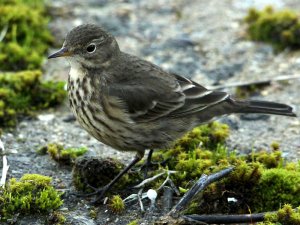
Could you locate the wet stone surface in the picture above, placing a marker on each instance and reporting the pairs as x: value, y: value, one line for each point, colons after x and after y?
x: 202, y: 40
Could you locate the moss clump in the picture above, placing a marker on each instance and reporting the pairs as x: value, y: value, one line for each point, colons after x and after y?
x: 23, y: 92
x: 64, y: 155
x: 261, y: 181
x: 238, y: 185
x: 206, y: 136
x: 25, y: 39
x: 93, y: 213
x: 195, y: 152
x: 116, y: 204
x: 134, y: 222
x: 32, y: 193
x: 275, y: 146
x: 254, y: 185
x: 269, y: 160
x: 97, y: 172
x: 277, y: 187
x: 43, y: 150
x: 280, y: 29
x: 56, y: 218
x: 27, y: 36
x: 284, y: 216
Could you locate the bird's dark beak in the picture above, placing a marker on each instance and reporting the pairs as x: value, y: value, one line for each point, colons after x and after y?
x: 60, y: 53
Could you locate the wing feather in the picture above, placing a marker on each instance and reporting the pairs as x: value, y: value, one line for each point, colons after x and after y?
x: 154, y: 98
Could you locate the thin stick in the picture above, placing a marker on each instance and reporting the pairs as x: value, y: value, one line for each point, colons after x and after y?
x: 139, y: 195
x: 227, y: 219
x: 200, y: 185
x: 266, y: 81
x: 4, y: 171
x: 3, y: 32
x: 5, y: 165
x: 134, y: 197
x: 167, y: 198
x: 148, y: 180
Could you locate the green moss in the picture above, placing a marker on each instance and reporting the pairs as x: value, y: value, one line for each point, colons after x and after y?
x: 43, y: 150
x: 23, y: 46
x: 195, y: 153
x: 238, y: 185
x: 261, y: 181
x: 255, y: 188
x: 64, y: 155
x: 277, y: 187
x: 27, y: 37
x: 269, y: 160
x: 284, y: 216
x: 207, y: 136
x: 270, y: 217
x: 56, y: 218
x: 116, y: 204
x: 275, y: 146
x: 32, y: 193
x: 280, y: 29
x: 93, y: 213
x: 134, y: 222
x: 292, y: 166
x: 23, y: 92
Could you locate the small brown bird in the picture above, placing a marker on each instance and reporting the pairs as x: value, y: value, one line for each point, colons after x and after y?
x: 133, y: 105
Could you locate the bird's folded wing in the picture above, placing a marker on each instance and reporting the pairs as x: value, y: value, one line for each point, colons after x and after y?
x: 197, y: 97
x: 150, y: 100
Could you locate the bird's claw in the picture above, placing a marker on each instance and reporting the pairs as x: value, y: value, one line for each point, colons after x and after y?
x: 98, y: 192
x: 100, y: 196
x: 147, y: 165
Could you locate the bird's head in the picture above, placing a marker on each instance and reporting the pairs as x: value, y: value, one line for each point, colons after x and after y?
x: 88, y: 45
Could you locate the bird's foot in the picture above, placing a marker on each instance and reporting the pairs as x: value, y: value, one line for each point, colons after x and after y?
x: 86, y: 183
x: 147, y: 166
x: 100, y: 195
x: 98, y: 192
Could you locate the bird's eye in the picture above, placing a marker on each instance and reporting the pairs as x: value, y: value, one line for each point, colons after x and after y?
x: 91, y: 48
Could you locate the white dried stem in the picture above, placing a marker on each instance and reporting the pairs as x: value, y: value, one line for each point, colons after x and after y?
x: 4, y: 171
x: 139, y: 195
x: 3, y: 32
x: 149, y: 180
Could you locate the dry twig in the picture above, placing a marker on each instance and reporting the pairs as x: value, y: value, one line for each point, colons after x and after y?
x: 260, y: 82
x: 5, y: 165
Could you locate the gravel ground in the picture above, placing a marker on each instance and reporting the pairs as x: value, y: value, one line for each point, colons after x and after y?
x: 203, y: 40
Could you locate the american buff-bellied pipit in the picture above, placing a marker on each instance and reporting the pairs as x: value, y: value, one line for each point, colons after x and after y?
x: 133, y: 105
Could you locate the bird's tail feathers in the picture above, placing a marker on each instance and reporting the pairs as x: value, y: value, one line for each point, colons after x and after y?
x: 265, y: 107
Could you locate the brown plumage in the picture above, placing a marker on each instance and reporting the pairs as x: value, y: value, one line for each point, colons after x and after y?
x: 133, y: 105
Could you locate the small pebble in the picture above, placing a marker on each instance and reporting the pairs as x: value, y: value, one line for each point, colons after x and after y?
x: 151, y: 194
x: 46, y: 117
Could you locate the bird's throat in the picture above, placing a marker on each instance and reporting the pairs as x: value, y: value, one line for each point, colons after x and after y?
x: 76, y: 71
